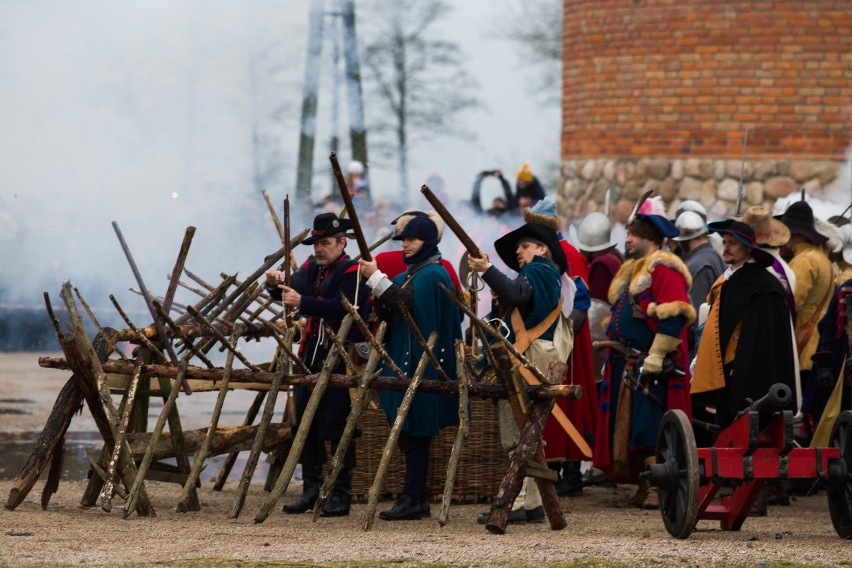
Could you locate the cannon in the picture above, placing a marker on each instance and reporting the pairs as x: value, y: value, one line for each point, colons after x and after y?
x: 757, y: 446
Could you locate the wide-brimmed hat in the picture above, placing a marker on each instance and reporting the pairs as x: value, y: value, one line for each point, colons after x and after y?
x: 768, y: 232
x: 745, y: 234
x: 660, y: 224
x: 327, y: 225
x: 507, y: 245
x: 690, y: 225
x: 799, y: 218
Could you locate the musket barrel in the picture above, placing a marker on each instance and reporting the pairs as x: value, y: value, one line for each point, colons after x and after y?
x: 450, y: 221
x: 350, y: 208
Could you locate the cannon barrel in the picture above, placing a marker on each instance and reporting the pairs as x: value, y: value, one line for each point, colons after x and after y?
x: 777, y: 398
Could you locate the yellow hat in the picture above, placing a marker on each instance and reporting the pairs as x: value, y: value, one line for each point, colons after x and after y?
x: 525, y: 173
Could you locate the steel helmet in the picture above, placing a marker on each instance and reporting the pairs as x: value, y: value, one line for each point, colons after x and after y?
x: 691, y: 205
x: 691, y: 225
x: 594, y: 233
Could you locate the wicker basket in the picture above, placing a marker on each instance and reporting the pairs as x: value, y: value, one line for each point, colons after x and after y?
x: 478, y: 476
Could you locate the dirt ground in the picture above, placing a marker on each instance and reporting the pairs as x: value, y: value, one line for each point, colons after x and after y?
x: 601, y: 531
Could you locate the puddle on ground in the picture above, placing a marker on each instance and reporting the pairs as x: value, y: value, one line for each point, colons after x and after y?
x: 17, y: 447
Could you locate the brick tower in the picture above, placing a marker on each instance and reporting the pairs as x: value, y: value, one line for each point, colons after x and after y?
x: 657, y: 94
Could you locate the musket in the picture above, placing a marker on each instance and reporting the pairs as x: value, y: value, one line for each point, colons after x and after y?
x: 274, y: 215
x: 742, y: 171
x: 465, y: 239
x: 451, y: 222
x: 288, y: 264
x: 350, y: 208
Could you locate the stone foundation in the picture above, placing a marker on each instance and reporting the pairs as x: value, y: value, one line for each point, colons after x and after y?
x: 713, y: 183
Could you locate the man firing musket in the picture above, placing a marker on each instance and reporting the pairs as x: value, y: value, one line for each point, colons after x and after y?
x: 315, y: 289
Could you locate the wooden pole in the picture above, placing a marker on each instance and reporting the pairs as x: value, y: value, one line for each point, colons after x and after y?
x: 106, y: 494
x: 201, y: 454
x: 178, y: 268
x: 443, y: 388
x: 461, y: 435
x: 275, y: 220
x: 358, y: 405
x: 155, y: 435
x: 304, y: 426
x: 390, y: 444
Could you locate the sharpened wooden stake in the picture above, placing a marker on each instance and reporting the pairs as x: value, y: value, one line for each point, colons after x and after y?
x: 461, y: 434
x: 201, y: 454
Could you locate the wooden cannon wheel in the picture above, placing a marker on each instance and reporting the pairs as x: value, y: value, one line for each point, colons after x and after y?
x: 676, y: 474
x: 840, y: 476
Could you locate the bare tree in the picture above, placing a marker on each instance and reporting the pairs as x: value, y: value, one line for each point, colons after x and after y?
x: 418, y: 84
x: 535, y: 26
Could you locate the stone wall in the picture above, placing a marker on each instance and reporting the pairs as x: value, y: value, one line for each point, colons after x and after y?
x: 713, y: 183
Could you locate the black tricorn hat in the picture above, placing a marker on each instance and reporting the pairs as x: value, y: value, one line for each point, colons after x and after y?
x: 799, y: 218
x: 327, y: 225
x: 507, y: 245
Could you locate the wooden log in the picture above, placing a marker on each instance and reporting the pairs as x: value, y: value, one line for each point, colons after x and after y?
x: 225, y: 439
x: 178, y: 268
x: 245, y: 376
x: 390, y: 444
x: 53, y: 474
x: 305, y: 423
x: 461, y: 434
x: 529, y: 448
x: 68, y: 402
x: 358, y: 405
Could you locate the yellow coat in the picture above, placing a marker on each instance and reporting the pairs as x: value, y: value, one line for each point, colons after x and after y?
x: 814, y: 282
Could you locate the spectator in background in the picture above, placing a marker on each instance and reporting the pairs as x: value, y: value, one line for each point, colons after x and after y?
x: 499, y: 205
x: 528, y: 190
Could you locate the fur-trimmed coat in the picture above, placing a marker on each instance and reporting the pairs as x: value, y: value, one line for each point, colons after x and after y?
x: 648, y: 296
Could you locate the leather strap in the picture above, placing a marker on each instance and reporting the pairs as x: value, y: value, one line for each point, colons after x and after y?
x: 523, y: 339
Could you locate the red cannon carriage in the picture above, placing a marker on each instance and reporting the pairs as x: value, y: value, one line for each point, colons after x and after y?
x: 757, y: 446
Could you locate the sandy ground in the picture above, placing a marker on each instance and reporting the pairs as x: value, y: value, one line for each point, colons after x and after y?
x: 601, y: 530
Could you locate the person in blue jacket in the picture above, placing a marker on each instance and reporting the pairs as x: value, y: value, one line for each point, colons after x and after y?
x: 417, y: 289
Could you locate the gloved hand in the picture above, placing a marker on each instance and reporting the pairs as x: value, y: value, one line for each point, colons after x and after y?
x: 822, y: 369
x: 826, y: 379
x: 663, y: 345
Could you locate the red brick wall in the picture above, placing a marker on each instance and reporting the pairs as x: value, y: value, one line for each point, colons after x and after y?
x: 686, y: 77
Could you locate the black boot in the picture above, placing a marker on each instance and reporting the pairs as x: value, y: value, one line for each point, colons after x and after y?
x: 405, y: 509
x: 571, y: 483
x: 311, y: 478
x: 341, y: 497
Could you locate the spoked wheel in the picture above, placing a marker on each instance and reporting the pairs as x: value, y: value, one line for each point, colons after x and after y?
x: 840, y: 476
x: 676, y: 474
